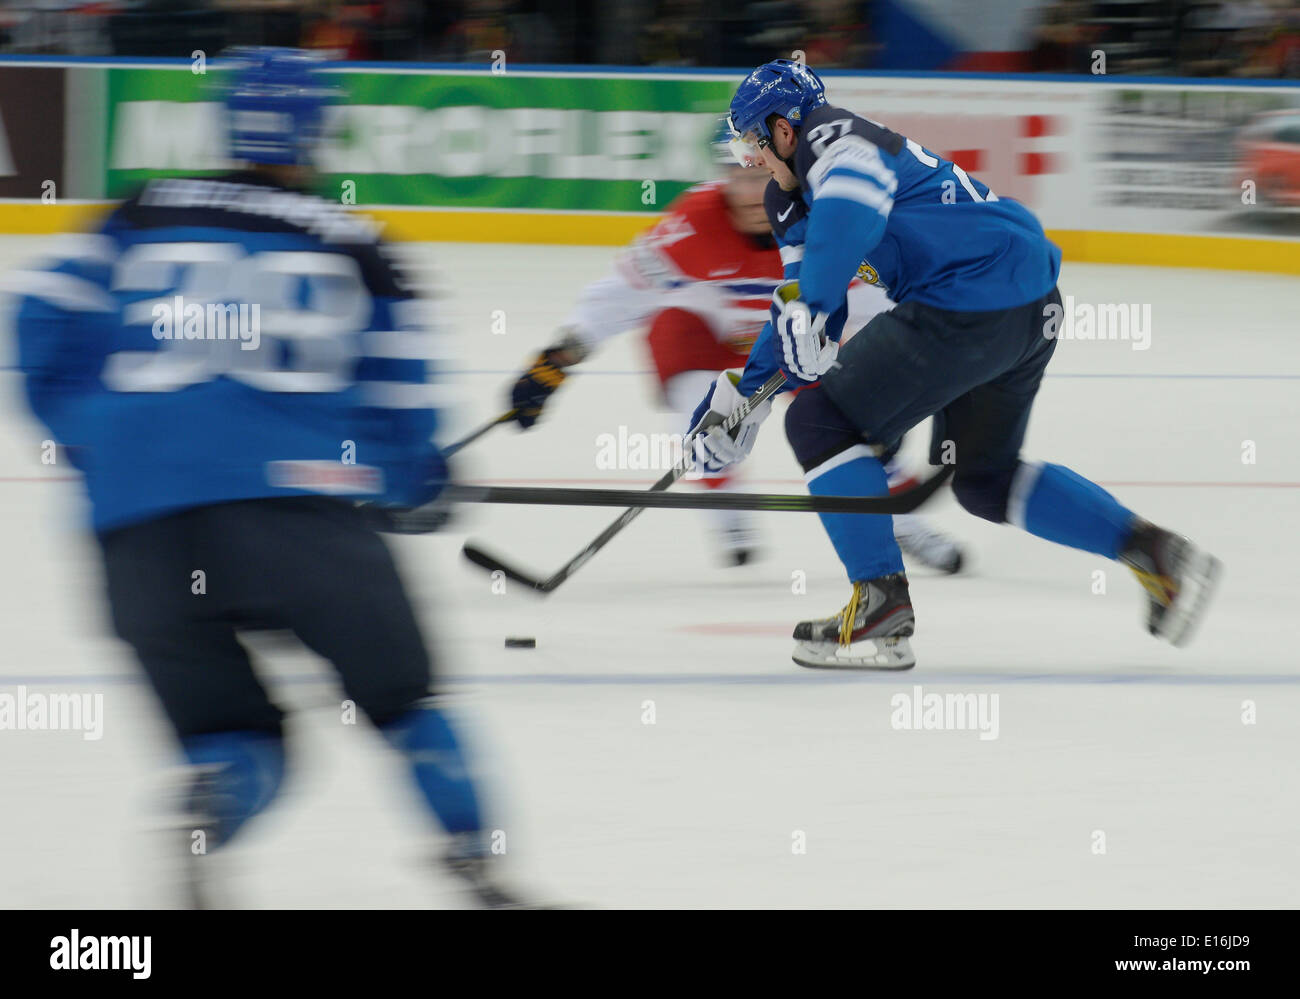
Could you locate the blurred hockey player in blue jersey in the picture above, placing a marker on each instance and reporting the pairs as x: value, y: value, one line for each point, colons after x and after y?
x: 975, y: 278
x: 233, y: 363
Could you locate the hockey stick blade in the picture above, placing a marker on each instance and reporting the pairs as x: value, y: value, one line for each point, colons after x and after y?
x: 493, y: 564
x: 552, y: 582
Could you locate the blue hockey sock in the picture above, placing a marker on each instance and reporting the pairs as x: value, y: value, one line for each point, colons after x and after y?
x: 864, y: 543
x: 242, y: 773
x: 441, y: 771
x: 1052, y: 502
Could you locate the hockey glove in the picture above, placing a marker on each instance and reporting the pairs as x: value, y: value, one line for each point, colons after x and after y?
x: 715, y: 448
x: 426, y: 478
x: 803, y: 350
x: 425, y: 519
x: 544, y: 376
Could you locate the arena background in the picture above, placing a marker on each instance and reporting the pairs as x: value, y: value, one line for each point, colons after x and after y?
x: 1120, y: 170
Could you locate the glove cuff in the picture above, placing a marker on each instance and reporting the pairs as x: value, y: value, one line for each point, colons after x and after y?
x: 570, y: 344
x: 726, y: 396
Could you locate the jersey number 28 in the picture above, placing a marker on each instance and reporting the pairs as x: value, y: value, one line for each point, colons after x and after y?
x: 311, y: 307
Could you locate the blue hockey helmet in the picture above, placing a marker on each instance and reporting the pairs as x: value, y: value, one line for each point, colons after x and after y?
x: 782, y: 87
x: 275, y: 99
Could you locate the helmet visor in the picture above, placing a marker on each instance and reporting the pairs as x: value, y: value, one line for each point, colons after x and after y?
x: 745, y: 148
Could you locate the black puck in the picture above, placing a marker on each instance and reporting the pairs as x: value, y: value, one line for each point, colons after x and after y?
x: 521, y: 643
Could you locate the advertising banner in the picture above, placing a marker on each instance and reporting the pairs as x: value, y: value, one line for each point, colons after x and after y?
x: 513, y: 141
x: 1122, y: 170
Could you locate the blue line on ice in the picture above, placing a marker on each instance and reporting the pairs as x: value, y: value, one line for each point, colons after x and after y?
x: 1051, y: 374
x: 803, y: 677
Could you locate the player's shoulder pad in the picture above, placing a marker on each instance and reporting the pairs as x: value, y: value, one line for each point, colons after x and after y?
x: 786, y: 211
x: 240, y: 203
x: 826, y: 124
x: 699, y: 193
x: 73, y: 274
x: 681, y: 241
x: 701, y: 201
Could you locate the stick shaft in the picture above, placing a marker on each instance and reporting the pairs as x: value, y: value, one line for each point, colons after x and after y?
x: 637, y: 499
x: 769, y: 388
x: 470, y: 438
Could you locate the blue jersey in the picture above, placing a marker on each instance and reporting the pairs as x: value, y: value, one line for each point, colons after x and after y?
x: 788, y: 214
x: 877, y: 206
x: 226, y: 339
x: 917, y: 225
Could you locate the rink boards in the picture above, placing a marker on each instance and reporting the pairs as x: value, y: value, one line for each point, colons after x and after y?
x: 1169, y: 172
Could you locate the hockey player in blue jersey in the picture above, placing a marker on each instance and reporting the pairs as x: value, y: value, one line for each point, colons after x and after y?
x: 232, y: 363
x: 975, y: 278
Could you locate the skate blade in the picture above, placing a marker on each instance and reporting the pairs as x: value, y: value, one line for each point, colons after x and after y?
x: 1199, y: 583
x: 868, y: 653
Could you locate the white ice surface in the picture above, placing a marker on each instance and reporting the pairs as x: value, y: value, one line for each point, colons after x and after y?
x: 1101, y: 727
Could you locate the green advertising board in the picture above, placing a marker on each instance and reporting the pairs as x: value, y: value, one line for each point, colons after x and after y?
x: 575, y: 142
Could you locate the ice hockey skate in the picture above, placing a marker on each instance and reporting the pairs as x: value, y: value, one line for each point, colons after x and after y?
x: 1179, y: 579
x: 871, y: 632
x: 190, y: 875
x: 478, y: 874
x: 926, y: 545
x: 736, y: 538
x: 737, y: 546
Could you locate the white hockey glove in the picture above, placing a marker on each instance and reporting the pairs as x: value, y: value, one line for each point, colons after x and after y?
x: 715, y: 448
x: 806, y: 354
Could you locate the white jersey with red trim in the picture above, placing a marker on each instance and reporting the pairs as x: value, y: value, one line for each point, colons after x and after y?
x: 695, y: 260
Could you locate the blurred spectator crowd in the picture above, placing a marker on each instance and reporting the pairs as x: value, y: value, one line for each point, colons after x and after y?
x: 1244, y: 38
x: 616, y: 32
x: 1250, y: 38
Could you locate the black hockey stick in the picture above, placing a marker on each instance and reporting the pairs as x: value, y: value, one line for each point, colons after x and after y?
x: 902, y: 502
x: 644, y: 499
x: 451, y: 449
x: 432, y: 516
x: 479, y: 557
